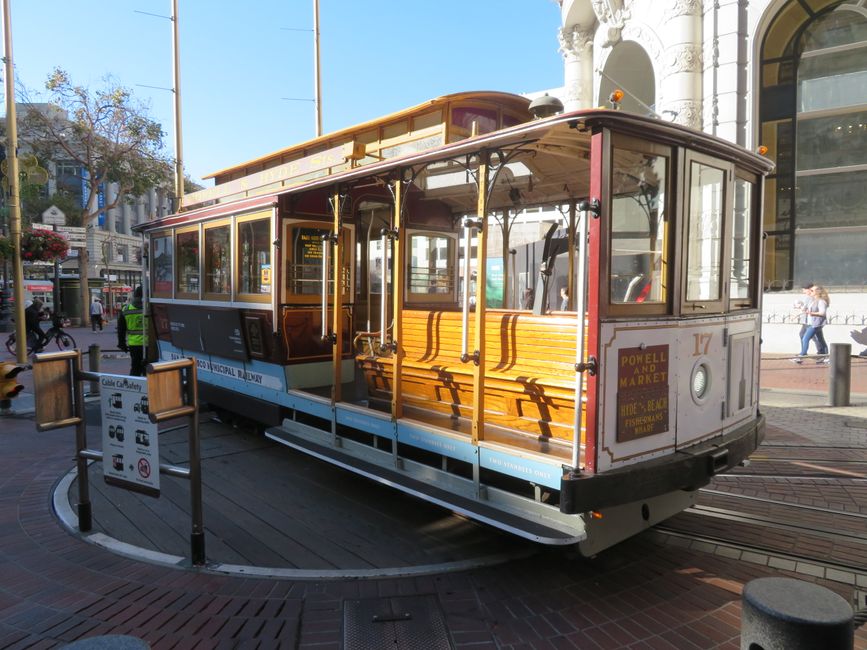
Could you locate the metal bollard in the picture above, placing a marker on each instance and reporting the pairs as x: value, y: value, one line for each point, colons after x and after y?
x: 840, y: 379
x: 93, y: 357
x: 789, y: 614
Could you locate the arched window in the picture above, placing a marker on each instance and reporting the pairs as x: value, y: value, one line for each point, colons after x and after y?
x: 813, y: 110
x: 629, y: 68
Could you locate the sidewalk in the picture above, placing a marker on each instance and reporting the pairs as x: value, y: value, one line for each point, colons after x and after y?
x: 55, y: 588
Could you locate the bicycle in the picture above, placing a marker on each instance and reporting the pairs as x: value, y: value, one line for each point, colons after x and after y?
x: 61, y: 337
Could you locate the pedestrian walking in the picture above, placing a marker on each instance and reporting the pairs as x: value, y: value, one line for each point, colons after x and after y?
x: 131, y: 332
x: 801, y: 306
x: 817, y: 316
x: 97, y: 312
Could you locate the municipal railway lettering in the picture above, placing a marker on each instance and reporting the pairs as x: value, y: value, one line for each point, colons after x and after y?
x: 642, y: 392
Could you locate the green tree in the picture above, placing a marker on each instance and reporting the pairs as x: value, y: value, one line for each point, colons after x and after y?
x: 108, y: 133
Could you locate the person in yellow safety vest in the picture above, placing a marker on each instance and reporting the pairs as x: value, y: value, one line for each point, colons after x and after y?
x: 131, y: 332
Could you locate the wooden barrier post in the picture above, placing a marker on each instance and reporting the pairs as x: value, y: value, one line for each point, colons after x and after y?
x: 173, y: 393
x: 60, y: 403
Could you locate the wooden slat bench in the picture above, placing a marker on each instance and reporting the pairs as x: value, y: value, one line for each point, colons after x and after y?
x: 529, y: 369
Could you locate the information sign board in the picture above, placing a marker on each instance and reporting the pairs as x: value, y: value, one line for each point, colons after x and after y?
x: 130, y: 444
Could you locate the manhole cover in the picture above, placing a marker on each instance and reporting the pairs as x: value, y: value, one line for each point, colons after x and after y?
x: 404, y: 623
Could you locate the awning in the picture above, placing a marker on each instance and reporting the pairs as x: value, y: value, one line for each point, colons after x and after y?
x: 38, y: 285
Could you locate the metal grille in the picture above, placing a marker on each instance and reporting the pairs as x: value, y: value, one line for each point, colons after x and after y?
x: 403, y: 623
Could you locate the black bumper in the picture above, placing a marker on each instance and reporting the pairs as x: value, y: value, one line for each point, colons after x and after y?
x: 688, y: 469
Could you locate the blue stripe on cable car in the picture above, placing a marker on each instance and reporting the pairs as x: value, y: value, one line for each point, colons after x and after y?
x: 415, y: 436
x: 521, y: 467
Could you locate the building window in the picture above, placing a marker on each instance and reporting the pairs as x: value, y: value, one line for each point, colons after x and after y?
x: 814, y: 120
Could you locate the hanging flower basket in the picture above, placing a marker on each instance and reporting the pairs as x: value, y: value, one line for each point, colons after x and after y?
x: 37, y: 245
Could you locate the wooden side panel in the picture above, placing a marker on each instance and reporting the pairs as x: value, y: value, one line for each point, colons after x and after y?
x: 529, y: 374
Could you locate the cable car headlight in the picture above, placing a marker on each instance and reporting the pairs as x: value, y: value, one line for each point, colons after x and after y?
x: 700, y: 381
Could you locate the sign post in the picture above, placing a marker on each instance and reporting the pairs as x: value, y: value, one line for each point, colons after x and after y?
x: 54, y: 217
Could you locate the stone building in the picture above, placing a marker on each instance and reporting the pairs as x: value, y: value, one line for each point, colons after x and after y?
x: 787, y: 74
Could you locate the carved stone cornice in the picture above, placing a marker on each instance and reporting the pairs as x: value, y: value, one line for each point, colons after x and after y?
x: 612, y: 15
x: 683, y: 58
x: 684, y: 8
x: 575, y: 40
x: 687, y: 112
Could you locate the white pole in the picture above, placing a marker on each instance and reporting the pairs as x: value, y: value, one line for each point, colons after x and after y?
x: 176, y: 80
x: 317, y: 83
x: 580, y: 299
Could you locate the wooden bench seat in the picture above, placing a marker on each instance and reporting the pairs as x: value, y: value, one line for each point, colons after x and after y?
x: 529, y: 369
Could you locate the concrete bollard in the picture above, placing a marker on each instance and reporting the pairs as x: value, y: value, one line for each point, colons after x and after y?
x: 840, y: 378
x: 789, y: 614
x: 93, y: 357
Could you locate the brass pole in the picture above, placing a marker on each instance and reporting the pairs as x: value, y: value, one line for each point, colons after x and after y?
x: 337, y: 315
x: 14, y: 192
x: 176, y: 77
x: 571, y: 275
x: 398, y: 262
x: 478, y: 426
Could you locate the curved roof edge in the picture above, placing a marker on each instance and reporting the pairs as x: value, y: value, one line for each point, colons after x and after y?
x: 519, y: 101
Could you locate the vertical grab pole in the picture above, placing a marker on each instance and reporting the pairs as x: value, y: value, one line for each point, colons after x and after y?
x: 580, y: 301
x: 383, y: 303
x: 465, y: 314
x: 478, y: 427
x: 326, y: 257
x: 337, y: 328
x: 399, y: 264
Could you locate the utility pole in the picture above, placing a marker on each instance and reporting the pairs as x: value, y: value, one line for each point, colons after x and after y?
x: 12, y: 167
x: 317, y: 82
x: 176, y: 83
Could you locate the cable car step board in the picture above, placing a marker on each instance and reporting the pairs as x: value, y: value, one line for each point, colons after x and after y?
x: 526, y: 518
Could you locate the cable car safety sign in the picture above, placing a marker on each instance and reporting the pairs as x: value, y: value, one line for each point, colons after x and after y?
x: 130, y: 441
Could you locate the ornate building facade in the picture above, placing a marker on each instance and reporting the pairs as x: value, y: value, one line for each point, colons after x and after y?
x: 787, y: 74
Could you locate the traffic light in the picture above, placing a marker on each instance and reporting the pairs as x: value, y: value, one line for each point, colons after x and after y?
x: 9, y: 386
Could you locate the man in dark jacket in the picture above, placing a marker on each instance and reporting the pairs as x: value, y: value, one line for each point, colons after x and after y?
x: 32, y: 320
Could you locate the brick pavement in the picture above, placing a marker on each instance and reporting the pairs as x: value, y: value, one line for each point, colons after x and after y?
x: 54, y: 588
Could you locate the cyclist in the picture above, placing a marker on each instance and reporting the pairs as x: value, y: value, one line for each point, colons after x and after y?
x: 32, y: 319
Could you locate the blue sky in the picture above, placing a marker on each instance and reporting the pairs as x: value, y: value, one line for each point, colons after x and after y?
x: 239, y: 59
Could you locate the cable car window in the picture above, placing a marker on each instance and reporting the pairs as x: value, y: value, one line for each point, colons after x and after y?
x: 218, y: 271
x: 304, y: 272
x: 742, y: 262
x: 639, y: 228
x: 431, y: 268
x: 253, y: 241
x: 705, y: 233
x: 187, y: 243
x: 162, y: 254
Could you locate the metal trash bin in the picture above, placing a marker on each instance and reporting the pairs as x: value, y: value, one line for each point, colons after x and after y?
x: 789, y: 614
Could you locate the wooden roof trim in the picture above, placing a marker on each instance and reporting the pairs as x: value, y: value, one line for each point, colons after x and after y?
x: 517, y: 100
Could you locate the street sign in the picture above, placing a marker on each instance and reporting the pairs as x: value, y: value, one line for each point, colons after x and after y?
x: 130, y: 444
x: 54, y: 216
x: 75, y: 235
